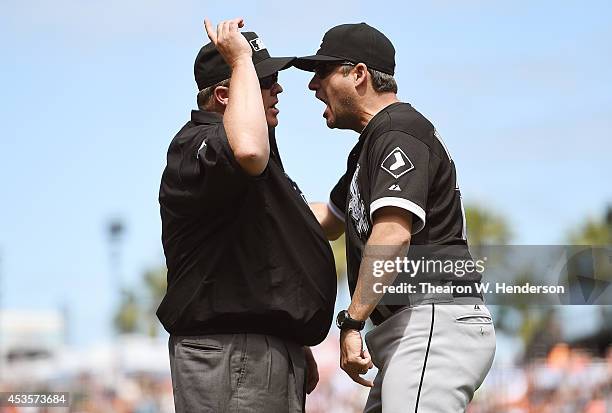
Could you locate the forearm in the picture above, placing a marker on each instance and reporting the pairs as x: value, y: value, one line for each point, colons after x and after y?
x: 319, y: 209
x: 332, y: 226
x: 245, y: 120
x: 389, y: 240
x: 365, y: 299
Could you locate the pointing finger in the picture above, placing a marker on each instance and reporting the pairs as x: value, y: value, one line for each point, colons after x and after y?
x: 212, y: 35
x: 226, y: 30
x: 220, y: 31
x: 360, y: 380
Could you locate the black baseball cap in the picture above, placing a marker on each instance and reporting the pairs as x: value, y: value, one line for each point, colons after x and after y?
x: 210, y: 68
x: 355, y: 43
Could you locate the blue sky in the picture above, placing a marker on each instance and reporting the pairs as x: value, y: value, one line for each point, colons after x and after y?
x: 93, y: 92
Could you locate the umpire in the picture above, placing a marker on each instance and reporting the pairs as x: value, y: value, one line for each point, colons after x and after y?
x: 399, y: 189
x: 251, y: 276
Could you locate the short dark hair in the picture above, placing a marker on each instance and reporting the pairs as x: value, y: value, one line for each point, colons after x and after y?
x: 205, y: 95
x: 381, y: 82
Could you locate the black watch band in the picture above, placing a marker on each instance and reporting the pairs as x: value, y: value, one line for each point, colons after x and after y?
x: 345, y: 322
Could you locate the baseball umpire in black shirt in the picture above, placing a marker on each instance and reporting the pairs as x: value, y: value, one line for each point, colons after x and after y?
x: 399, y: 189
x: 251, y: 275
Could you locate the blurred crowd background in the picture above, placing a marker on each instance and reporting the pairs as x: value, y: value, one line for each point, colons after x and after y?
x: 568, y: 381
x: 108, y: 379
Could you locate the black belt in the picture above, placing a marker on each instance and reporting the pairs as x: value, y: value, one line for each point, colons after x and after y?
x: 378, y: 318
x: 474, y: 291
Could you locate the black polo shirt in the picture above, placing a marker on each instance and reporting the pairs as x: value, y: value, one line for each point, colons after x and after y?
x: 401, y: 161
x: 244, y: 254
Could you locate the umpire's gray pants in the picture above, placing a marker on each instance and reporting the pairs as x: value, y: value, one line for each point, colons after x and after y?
x: 431, y: 357
x: 237, y: 373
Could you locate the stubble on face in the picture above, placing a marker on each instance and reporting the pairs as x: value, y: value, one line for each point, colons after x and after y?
x: 345, y: 114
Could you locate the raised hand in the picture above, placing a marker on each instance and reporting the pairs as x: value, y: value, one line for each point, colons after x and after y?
x: 229, y: 42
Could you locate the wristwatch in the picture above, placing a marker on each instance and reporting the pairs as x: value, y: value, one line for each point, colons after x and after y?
x: 345, y: 322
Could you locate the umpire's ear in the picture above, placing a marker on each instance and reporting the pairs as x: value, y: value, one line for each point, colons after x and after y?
x: 221, y: 95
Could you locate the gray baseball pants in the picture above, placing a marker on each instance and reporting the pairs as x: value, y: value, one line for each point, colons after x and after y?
x: 221, y: 373
x: 431, y: 357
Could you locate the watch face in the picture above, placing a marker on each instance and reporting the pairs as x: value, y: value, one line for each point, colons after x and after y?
x: 340, y: 318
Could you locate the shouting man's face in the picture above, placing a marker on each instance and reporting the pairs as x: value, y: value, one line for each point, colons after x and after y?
x: 336, y: 90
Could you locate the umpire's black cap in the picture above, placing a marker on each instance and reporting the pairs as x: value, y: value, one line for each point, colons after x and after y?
x: 356, y: 43
x: 210, y: 68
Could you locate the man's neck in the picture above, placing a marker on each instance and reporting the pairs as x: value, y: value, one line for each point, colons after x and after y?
x: 373, y: 106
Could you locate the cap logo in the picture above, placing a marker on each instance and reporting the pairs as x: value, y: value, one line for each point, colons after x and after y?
x: 257, y: 44
x: 397, y: 163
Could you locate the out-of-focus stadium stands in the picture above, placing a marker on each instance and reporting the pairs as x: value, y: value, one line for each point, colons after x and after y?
x: 132, y: 376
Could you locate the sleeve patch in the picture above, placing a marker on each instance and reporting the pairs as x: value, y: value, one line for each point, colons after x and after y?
x: 397, y: 163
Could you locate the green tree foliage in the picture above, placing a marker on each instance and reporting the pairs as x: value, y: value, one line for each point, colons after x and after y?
x: 486, y: 227
x: 136, y: 311
x: 129, y: 314
x: 598, y: 232
x: 595, y: 231
x: 155, y: 288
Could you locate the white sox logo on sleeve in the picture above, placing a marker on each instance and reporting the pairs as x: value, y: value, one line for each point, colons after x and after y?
x: 397, y: 163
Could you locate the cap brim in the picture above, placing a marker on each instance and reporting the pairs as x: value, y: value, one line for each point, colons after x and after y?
x: 272, y: 65
x: 309, y: 63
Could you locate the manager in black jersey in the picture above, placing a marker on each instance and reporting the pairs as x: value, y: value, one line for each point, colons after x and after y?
x: 251, y: 276
x: 399, y: 189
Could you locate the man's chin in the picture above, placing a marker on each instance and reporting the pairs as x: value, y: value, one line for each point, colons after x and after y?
x: 334, y: 124
x: 339, y: 122
x: 272, y: 121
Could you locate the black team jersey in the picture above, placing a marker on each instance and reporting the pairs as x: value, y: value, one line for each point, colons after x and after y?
x: 244, y: 254
x: 400, y: 161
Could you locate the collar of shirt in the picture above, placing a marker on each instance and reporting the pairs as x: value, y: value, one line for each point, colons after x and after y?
x: 356, y: 151
x: 375, y: 118
x: 201, y: 117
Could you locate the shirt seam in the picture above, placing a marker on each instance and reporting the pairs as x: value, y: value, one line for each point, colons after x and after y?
x: 415, y: 137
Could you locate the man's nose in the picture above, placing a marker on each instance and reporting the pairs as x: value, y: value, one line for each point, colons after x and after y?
x: 314, y: 83
x: 276, y: 89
